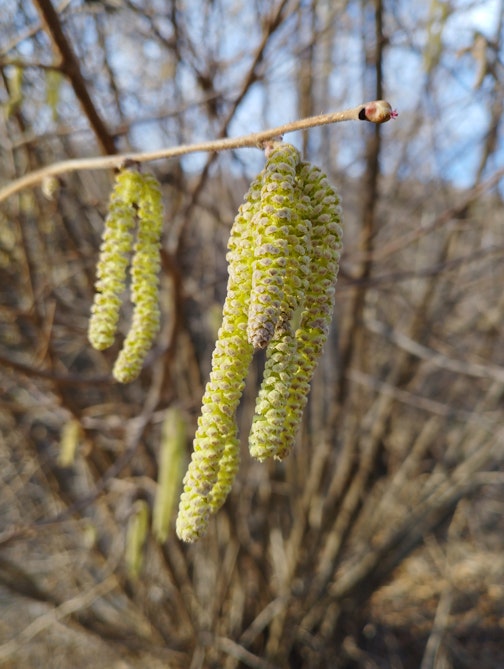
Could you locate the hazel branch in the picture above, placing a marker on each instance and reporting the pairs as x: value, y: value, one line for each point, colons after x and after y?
x: 378, y: 111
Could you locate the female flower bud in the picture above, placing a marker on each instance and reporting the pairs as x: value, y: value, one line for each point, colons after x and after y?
x: 379, y: 111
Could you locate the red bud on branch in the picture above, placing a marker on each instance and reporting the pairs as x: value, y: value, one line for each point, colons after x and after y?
x: 379, y: 111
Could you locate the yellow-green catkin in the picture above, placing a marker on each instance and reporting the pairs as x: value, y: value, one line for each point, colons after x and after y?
x: 268, y: 434
x: 136, y: 535
x: 318, y: 308
x: 215, y: 455
x: 113, y: 262
x: 70, y: 437
x: 144, y: 282
x: 171, y: 456
x: 228, y: 468
x: 273, y: 227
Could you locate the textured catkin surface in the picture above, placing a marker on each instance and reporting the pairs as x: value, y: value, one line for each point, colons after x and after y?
x: 135, y: 202
x: 145, y: 268
x: 283, y: 258
x: 115, y: 251
x: 274, y: 251
x: 215, y: 456
x: 317, y: 312
x: 293, y: 352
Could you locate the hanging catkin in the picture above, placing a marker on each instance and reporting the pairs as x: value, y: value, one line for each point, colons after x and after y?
x: 135, y: 202
x: 216, y: 448
x: 283, y: 262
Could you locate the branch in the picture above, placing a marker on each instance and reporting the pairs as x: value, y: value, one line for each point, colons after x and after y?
x: 70, y: 66
x: 376, y: 112
x: 25, y: 64
x: 434, y: 357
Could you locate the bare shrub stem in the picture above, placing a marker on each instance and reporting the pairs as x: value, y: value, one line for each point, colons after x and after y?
x: 253, y: 140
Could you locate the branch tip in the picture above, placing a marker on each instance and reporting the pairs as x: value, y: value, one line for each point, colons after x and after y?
x: 378, y: 111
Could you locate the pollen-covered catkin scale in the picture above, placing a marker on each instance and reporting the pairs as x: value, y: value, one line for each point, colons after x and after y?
x: 170, y: 462
x: 215, y: 456
x: 316, y: 316
x: 228, y: 467
x: 273, y: 225
x: 112, y: 265
x: 268, y: 431
x: 145, y: 268
x: 268, y: 425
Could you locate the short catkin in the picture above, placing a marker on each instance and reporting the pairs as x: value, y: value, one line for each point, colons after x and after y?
x: 170, y: 460
x: 115, y: 250
x: 145, y: 268
x: 136, y: 198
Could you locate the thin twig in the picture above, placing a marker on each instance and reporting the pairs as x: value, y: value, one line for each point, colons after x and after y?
x: 400, y: 242
x: 436, y: 358
x: 70, y: 65
x: 256, y: 139
x: 26, y: 64
x: 48, y: 619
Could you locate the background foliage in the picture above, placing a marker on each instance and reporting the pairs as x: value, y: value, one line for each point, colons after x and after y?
x: 378, y: 542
